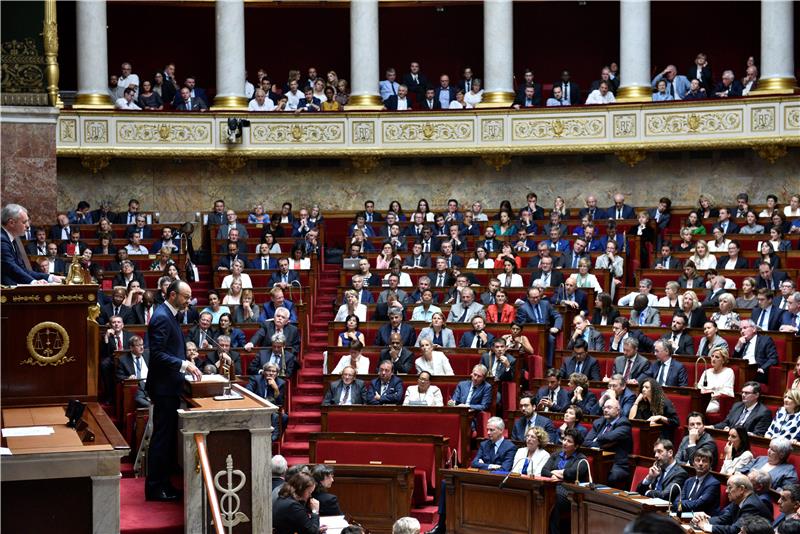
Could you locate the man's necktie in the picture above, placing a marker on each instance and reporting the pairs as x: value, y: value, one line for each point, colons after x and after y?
x: 606, y: 428
x: 490, y: 246
x: 416, y: 261
x: 745, y: 346
x: 508, y: 280
x: 264, y: 263
x: 574, y: 261
x: 762, y: 319
x: 591, y: 214
x: 463, y: 317
x: 147, y: 316
x: 383, y: 389
x: 469, y: 395
x: 743, y: 417
x: 285, y: 278
x: 672, y: 89
x: 626, y: 375
x: 119, y: 341
x: 346, y: 398
x: 662, y: 375
x: 546, y: 279
x: 619, y: 213
x: 537, y: 315
x: 440, y: 280
x: 426, y: 246
x: 138, y: 364
x: 578, y: 367
x: 116, y: 310
x: 641, y: 318
x: 694, y: 488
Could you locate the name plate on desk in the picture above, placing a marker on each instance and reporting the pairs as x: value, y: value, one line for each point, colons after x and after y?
x: 208, y: 386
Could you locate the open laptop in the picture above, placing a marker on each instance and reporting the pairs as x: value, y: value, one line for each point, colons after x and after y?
x: 350, y: 263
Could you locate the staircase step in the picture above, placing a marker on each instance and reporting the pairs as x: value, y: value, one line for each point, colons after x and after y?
x: 309, y: 389
x: 294, y: 447
x: 310, y: 418
x: 425, y: 514
x: 296, y: 433
x: 296, y: 460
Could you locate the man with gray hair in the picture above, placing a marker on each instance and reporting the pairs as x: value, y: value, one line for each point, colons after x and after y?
x: 677, y: 84
x: 279, y: 467
x: 729, y: 86
x: 15, y: 269
x: 495, y: 453
x: 791, y: 317
x: 631, y: 365
x: 743, y: 503
x: 759, y: 350
x: 406, y: 525
x: 224, y: 357
x: 645, y: 285
x: 466, y: 309
x: 278, y: 354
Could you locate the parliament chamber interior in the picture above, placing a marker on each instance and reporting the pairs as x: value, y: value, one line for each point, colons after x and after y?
x: 387, y: 266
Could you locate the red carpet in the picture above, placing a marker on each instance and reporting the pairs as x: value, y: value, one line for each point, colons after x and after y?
x: 138, y: 516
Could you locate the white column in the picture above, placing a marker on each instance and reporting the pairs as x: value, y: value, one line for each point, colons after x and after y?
x: 92, y: 55
x: 364, y: 55
x: 498, y: 53
x: 634, y: 51
x: 229, y: 15
x: 105, y: 503
x: 777, y: 48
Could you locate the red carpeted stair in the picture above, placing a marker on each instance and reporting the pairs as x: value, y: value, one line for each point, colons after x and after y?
x: 307, y: 392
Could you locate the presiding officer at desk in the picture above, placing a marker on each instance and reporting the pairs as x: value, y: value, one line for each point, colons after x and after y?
x: 14, y: 271
x: 165, y: 379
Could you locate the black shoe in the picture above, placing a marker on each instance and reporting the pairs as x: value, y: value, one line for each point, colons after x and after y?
x: 162, y: 495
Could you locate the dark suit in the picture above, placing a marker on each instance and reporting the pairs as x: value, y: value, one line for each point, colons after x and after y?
x: 521, y: 426
x: 486, y: 455
x: 734, y: 89
x: 56, y: 233
x: 392, y: 395
x: 126, y: 367
x: 506, y: 374
x: 358, y: 393
x: 556, y: 277
x: 537, y: 93
x: 671, y: 263
x: 572, y: 89
x: 589, y: 367
x: 194, y: 104
x: 265, y: 355
x: 757, y: 422
x: 729, y: 520
x: 145, y: 232
x: 599, y: 214
x: 257, y: 263
x: 481, y: 398
x: 424, y: 261
x: 766, y: 355
x: 277, y: 278
x: 561, y: 402
x: 213, y: 358
x: 448, y: 279
x: 450, y: 90
x: 705, y: 77
x: 164, y: 385
x: 138, y: 312
x: 640, y: 368
x: 627, y: 212
x: 328, y: 502
x: 417, y: 87
x: 404, y: 363
x: 424, y: 105
x: 777, y: 278
x: 124, y: 311
x: 773, y: 322
x: 685, y: 344
x: 579, y: 297
x: 703, y: 499
x: 391, y: 103
x: 597, y: 316
x: 468, y: 337
x: 645, y: 343
x: 676, y: 373
x: 264, y: 336
x: 408, y: 335
x: 614, y: 436
x: 685, y: 454
x: 291, y: 516
x: 14, y: 270
x: 660, y: 487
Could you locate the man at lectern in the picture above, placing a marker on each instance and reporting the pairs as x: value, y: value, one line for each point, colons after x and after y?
x: 165, y: 378
x: 14, y: 270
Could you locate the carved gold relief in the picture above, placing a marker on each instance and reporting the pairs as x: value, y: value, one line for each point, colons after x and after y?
x: 631, y: 157
x: 186, y: 133
x: 287, y: 133
x: 792, y: 118
x: 567, y: 127
x: 92, y: 313
x: 23, y: 74
x: 363, y: 133
x: 492, y: 129
x: 771, y: 153
x: 417, y: 131
x: 95, y: 131
x: 366, y: 164
x: 762, y: 119
x: 625, y: 125
x: 50, y: 37
x: 68, y: 130
x: 691, y: 123
x: 95, y: 164
x: 232, y: 163
x: 498, y: 161
x: 47, y: 344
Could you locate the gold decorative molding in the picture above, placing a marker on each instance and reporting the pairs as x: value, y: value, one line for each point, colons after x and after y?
x: 50, y: 37
x: 412, y: 131
x: 363, y: 132
x: 635, y: 93
x: 229, y: 103
x: 631, y: 157
x: 680, y: 123
x: 23, y: 70
x: 625, y: 125
x: 364, y: 103
x: 232, y: 163
x: 47, y: 343
x: 68, y: 131
x: 95, y: 131
x: 93, y: 101
x: 762, y: 119
x: 140, y: 132
x: 572, y: 127
x: 264, y: 133
x: 771, y: 153
x: 95, y: 164
x: 492, y: 129
x: 496, y: 99
x: 776, y: 86
x: 498, y: 161
x: 365, y: 164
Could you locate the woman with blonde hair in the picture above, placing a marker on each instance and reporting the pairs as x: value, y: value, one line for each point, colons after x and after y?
x: 702, y: 258
x: 726, y: 318
x: 787, y: 419
x: 534, y: 453
x: 717, y: 380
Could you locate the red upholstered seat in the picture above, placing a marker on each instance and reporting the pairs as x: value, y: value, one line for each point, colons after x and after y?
x: 683, y: 406
x: 723, y: 496
x: 639, y: 474
x: 635, y: 436
x: 725, y: 404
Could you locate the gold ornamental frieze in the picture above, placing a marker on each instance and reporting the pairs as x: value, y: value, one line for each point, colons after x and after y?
x: 182, y: 133
x: 792, y: 117
x: 427, y: 131
x: 47, y: 343
x: 282, y: 133
x: 716, y: 122
x: 561, y: 128
x: 492, y: 129
x: 762, y: 119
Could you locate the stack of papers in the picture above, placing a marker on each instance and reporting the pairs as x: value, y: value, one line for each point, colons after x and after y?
x: 23, y: 431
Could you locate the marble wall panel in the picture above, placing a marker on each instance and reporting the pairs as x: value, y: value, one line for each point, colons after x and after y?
x: 28, y: 167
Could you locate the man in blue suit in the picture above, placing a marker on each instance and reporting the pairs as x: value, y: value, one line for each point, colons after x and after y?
x: 277, y: 300
x: 15, y: 222
x: 620, y: 210
x: 538, y: 311
x: 613, y: 433
x: 789, y: 504
x: 284, y: 277
x: 552, y: 397
x: 264, y: 261
x: 165, y: 379
x: 268, y: 386
x: 387, y: 388
x: 580, y: 362
x: 475, y: 393
x: 667, y: 370
x: 700, y: 493
x: 527, y: 406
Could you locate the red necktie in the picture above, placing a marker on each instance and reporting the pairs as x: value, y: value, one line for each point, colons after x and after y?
x: 147, y: 316
x: 119, y: 342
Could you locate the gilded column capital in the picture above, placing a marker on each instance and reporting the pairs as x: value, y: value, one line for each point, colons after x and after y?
x: 232, y: 164
x: 95, y: 164
x: 771, y: 153
x: 631, y: 157
x: 366, y: 164
x: 498, y: 161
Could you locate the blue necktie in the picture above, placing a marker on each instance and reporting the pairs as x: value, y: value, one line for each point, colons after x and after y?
x: 525, y: 466
x: 537, y: 316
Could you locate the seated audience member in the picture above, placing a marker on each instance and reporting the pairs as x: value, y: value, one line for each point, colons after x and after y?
x: 701, y: 492
x: 400, y: 357
x: 679, y: 340
x: 261, y: 103
x: 478, y: 337
x: 133, y: 365
x: 557, y: 99
x: 309, y: 102
x: 396, y: 325
x: 623, y: 333
x: 387, y: 388
x: 642, y: 314
x: 612, y: 432
x: 474, y: 393
x: 267, y: 385
x: 743, y: 504
x: 728, y: 87
x: 352, y: 307
x: 759, y: 350
x: 328, y: 503
x: 654, y: 406
x: 116, y: 307
x: 439, y: 334
x: 187, y: 102
x: 696, y: 91
x: 604, y: 310
x: 279, y: 325
x: 718, y: 380
x: 667, y: 370
x: 787, y: 419
x: 355, y: 359
x: 749, y: 413
x: 645, y: 288
x: 501, y: 311
x: 530, y: 419
x: 347, y: 390
x: 538, y: 311
x: 601, y: 95
x: 495, y: 453
x: 565, y: 465
x: 737, y: 455
x: 279, y: 354
x: 424, y: 393
x: 631, y: 365
x: 663, y: 473
x: 526, y: 99
x: 696, y: 438
x: 226, y: 361
x: 498, y: 362
x: 290, y: 513
x: 618, y: 390
x: 572, y: 421
x: 580, y: 395
x: 788, y: 504
x: 552, y: 397
x: 581, y: 361
x: 530, y: 460
x: 283, y: 277
x: 711, y: 340
x: 126, y: 102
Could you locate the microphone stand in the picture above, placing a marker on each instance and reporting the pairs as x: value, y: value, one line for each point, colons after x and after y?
x: 578, y: 473
x: 299, y: 286
x: 669, y: 508
x: 505, y: 479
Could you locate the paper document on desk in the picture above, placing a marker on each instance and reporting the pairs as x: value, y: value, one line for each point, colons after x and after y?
x: 653, y: 501
x: 5, y: 451
x: 22, y: 431
x: 335, y: 523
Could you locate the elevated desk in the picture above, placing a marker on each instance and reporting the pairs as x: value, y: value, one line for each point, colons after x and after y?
x: 606, y: 510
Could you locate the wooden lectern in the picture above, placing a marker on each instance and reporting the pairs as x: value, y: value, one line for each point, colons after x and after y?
x: 67, y: 481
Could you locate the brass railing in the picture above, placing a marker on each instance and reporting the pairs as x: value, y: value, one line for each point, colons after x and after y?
x: 208, y: 481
